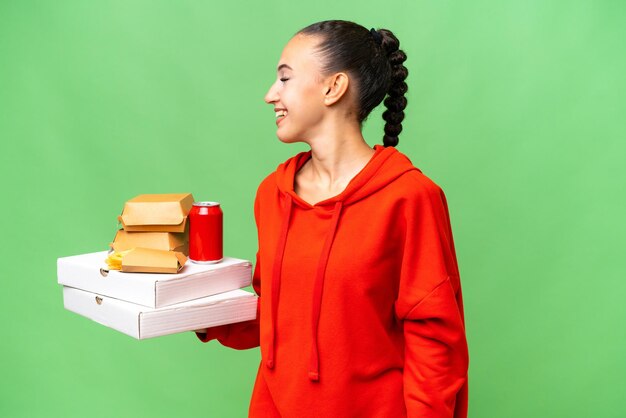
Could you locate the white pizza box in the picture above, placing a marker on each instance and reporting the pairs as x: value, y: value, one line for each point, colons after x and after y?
x: 142, y: 322
x: 155, y: 290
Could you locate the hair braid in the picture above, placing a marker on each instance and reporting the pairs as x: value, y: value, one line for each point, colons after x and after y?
x: 396, y: 101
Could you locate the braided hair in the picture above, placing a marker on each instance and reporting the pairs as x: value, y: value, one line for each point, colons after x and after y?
x: 374, y: 60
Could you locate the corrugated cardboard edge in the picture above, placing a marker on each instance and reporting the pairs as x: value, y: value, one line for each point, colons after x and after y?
x: 236, y: 275
x: 240, y: 305
x: 139, y: 330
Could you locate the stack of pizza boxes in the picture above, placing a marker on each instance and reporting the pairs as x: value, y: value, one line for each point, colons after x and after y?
x: 154, y: 291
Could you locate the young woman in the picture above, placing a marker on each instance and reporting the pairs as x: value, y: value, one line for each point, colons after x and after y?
x: 360, y: 311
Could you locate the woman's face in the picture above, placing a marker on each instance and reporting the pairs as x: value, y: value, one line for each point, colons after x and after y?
x: 298, y: 92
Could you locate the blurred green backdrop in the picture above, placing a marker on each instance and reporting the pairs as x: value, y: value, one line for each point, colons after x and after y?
x: 515, y: 108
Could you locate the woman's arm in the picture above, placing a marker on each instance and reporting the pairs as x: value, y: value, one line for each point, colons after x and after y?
x: 430, y: 306
x: 436, y: 356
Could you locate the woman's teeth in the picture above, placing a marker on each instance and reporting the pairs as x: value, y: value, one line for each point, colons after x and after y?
x: 281, y: 113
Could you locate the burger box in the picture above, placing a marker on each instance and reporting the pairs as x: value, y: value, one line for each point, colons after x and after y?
x: 89, y: 272
x: 157, y: 213
x: 142, y: 322
x: 169, y: 241
x: 149, y: 260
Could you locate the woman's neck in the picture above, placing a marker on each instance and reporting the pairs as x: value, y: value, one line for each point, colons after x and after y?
x: 331, y: 164
x: 336, y: 158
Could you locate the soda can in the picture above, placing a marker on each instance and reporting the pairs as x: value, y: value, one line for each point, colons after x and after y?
x: 206, y: 233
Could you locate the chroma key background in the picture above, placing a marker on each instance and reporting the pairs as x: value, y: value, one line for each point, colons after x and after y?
x: 515, y: 108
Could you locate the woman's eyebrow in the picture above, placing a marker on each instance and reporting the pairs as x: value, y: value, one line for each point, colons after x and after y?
x: 281, y: 66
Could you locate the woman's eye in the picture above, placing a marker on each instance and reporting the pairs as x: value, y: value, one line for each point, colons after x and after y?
x: 283, y: 79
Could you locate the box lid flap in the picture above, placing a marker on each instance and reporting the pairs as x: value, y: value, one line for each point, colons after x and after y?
x: 157, y: 209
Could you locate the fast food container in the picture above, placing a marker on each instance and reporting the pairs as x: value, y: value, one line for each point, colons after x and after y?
x: 142, y: 322
x: 89, y: 272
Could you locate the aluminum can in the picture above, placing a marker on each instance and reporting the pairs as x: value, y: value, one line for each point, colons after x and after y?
x: 206, y: 233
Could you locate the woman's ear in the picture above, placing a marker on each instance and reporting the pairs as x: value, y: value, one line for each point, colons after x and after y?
x: 336, y: 87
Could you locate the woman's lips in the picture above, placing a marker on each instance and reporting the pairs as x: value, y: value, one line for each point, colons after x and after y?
x: 280, y: 115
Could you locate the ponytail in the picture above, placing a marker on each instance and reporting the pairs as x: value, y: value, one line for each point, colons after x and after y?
x: 396, y: 101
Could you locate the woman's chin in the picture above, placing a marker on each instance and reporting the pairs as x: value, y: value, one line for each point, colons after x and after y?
x: 287, y: 139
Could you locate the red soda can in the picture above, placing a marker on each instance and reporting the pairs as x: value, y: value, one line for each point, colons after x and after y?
x: 206, y: 233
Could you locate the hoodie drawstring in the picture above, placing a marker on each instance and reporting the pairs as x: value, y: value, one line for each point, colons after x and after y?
x: 318, y: 287
x: 276, y: 273
x: 314, y: 368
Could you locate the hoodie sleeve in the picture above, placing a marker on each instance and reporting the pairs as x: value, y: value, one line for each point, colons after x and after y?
x: 240, y: 335
x: 431, y: 308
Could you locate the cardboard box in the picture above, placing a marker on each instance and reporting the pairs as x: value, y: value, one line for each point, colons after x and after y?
x: 149, y: 260
x: 142, y: 322
x: 168, y: 241
x: 89, y: 272
x: 157, y: 213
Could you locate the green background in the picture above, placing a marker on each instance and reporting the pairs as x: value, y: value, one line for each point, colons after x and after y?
x: 515, y: 108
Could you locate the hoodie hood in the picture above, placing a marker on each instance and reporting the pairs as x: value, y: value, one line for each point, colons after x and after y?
x: 385, y: 166
x: 368, y: 181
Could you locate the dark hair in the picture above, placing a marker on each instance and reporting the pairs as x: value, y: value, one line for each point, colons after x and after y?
x: 374, y: 60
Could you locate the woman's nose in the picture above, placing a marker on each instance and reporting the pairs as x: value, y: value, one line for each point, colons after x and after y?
x: 271, y: 96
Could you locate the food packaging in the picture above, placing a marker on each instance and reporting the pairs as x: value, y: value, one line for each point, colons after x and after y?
x: 157, y: 213
x: 167, y: 241
x: 89, y: 272
x: 142, y: 322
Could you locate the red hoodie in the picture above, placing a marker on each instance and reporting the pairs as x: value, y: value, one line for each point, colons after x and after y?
x: 360, y: 311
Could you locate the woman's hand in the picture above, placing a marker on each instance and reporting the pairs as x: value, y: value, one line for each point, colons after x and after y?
x: 213, y: 333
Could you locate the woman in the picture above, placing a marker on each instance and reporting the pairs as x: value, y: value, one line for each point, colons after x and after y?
x: 360, y: 311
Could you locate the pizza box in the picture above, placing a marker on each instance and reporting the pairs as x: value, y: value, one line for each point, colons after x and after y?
x: 89, y: 272
x: 142, y: 322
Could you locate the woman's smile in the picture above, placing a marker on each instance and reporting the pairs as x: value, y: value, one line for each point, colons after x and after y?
x: 280, y: 115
